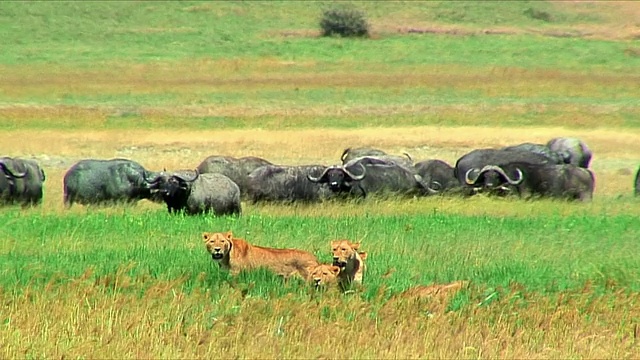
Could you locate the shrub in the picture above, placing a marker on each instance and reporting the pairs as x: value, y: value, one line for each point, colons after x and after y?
x: 344, y: 22
x: 538, y: 14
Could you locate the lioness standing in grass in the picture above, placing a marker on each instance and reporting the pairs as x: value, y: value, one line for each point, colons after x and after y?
x: 236, y: 255
x: 350, y: 262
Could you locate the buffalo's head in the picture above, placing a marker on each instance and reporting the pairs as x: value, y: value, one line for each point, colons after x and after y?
x: 339, y: 178
x: 492, y: 178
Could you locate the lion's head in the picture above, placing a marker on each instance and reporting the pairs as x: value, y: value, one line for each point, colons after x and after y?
x: 323, y: 274
x: 344, y: 251
x: 218, y: 244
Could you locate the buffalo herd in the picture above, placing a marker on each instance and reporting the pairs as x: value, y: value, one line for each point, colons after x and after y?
x: 558, y: 169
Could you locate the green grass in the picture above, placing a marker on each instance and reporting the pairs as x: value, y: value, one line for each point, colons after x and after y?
x: 90, y: 34
x: 544, y: 254
x: 548, y: 278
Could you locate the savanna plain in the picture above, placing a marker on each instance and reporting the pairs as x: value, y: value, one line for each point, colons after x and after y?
x: 170, y: 83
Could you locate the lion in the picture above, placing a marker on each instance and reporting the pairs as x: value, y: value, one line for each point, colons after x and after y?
x: 350, y: 261
x: 235, y: 255
x: 437, y: 291
x: 323, y: 275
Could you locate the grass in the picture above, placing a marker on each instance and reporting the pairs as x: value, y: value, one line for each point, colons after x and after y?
x: 117, y: 278
x: 168, y: 84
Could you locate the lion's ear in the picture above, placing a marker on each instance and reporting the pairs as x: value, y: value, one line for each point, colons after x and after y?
x: 310, y: 269
x: 335, y: 270
x: 355, y: 246
x: 229, y: 235
x: 363, y: 255
x: 206, y: 236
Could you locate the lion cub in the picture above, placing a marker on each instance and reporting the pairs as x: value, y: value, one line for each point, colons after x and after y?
x: 235, y: 255
x: 323, y: 275
x: 350, y: 261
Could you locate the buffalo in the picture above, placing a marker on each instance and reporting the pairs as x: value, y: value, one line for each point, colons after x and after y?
x: 552, y: 180
x: 286, y: 184
x: 22, y: 181
x: 577, y: 151
x: 475, y: 160
x: 94, y: 182
x: 437, y: 175
x: 372, y: 175
x: 236, y: 169
x: 194, y: 193
x: 350, y: 154
x: 556, y: 157
x: 637, y: 183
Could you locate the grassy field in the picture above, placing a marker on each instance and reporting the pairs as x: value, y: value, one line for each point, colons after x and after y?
x: 168, y: 84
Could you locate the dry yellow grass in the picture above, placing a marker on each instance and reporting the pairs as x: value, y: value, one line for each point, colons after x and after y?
x: 89, y: 320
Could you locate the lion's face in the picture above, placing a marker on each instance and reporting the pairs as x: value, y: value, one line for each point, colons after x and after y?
x: 218, y: 244
x: 343, y: 252
x: 323, y: 275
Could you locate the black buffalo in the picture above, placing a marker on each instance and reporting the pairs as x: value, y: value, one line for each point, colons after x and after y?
x: 194, y: 193
x: 555, y: 157
x: 367, y: 175
x: 236, y: 169
x: 437, y: 175
x: 96, y: 181
x: 578, y: 152
x: 469, y: 164
x: 21, y: 181
x: 636, y: 185
x: 350, y: 154
x: 286, y: 184
x: 526, y: 179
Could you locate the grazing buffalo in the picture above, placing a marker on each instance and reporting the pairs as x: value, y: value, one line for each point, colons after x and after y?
x: 21, y: 181
x: 556, y: 157
x: 437, y: 175
x: 286, y: 184
x: 94, y: 182
x: 372, y: 175
x: 472, y: 162
x: 578, y: 152
x: 637, y: 183
x: 350, y: 154
x: 236, y: 169
x: 196, y: 193
x: 553, y: 180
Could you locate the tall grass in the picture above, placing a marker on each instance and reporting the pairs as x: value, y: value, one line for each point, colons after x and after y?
x: 170, y: 83
x: 140, y: 284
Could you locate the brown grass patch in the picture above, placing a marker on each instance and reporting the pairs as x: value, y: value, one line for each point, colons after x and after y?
x: 87, y: 320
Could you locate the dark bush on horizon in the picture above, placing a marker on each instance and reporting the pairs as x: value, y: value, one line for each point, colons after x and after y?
x: 344, y: 22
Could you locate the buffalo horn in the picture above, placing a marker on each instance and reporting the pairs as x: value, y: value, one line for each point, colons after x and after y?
x: 9, y: 172
x: 319, y: 178
x: 344, y: 154
x: 468, y: 179
x: 501, y: 171
x: 152, y: 181
x: 353, y: 176
x: 187, y: 179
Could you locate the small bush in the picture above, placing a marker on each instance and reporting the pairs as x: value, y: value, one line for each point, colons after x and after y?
x: 344, y: 22
x: 538, y: 14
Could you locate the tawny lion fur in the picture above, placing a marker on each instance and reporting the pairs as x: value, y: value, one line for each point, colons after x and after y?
x: 350, y: 261
x: 235, y: 255
x: 323, y: 275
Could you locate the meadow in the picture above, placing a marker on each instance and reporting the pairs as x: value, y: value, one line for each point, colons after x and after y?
x: 168, y: 84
